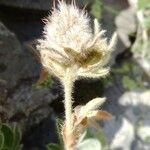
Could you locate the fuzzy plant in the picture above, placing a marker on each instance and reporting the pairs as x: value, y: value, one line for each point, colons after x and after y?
x: 71, y: 49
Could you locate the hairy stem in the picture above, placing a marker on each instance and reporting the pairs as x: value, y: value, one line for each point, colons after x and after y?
x: 68, y: 136
x: 68, y: 85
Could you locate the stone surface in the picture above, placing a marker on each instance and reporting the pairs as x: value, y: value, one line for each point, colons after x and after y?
x: 20, y: 100
x: 3, y: 96
x: 28, y: 4
x: 130, y: 130
x: 124, y: 136
x: 39, y: 135
x: 27, y: 100
x: 19, y: 70
x: 36, y: 4
x: 115, y: 18
x: 126, y: 24
x: 16, y: 63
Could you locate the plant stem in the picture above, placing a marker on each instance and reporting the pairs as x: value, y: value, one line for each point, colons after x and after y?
x: 68, y: 84
x: 68, y: 136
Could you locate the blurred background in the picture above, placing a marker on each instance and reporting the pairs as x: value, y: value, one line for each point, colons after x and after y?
x: 29, y: 106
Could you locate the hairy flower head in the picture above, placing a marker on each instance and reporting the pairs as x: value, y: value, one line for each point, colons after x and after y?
x: 70, y: 42
x: 67, y: 27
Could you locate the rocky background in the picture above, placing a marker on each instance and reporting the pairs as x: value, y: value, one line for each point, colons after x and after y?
x: 36, y: 107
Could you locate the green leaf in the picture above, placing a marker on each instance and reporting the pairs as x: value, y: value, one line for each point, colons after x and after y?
x: 8, y: 135
x: 0, y: 125
x: 1, y: 141
x: 53, y: 146
x: 147, y: 139
x: 101, y: 137
x: 96, y: 9
x: 45, y: 83
x: 89, y: 144
x: 17, y: 136
x: 147, y: 22
x: 123, y: 69
x: 82, y: 137
x: 142, y: 4
x: 85, y: 135
x: 111, y: 9
x: 89, y: 135
x: 129, y: 83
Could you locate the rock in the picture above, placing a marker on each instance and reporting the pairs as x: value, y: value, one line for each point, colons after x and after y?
x: 18, y: 72
x: 39, y: 135
x: 126, y: 24
x: 144, y: 62
x: 28, y: 4
x: 113, y: 91
x: 16, y: 64
x: 27, y: 100
x: 124, y: 136
x: 39, y: 115
x: 140, y: 51
x: 135, y: 98
x: 36, y: 4
x: 119, y: 132
x: 137, y: 107
x: 111, y: 127
x: 9, y: 48
x: 3, y: 96
x: 144, y: 133
x: 112, y: 21
x: 8, y: 41
x: 21, y: 101
x: 130, y: 129
x: 129, y: 108
x: 3, y: 91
